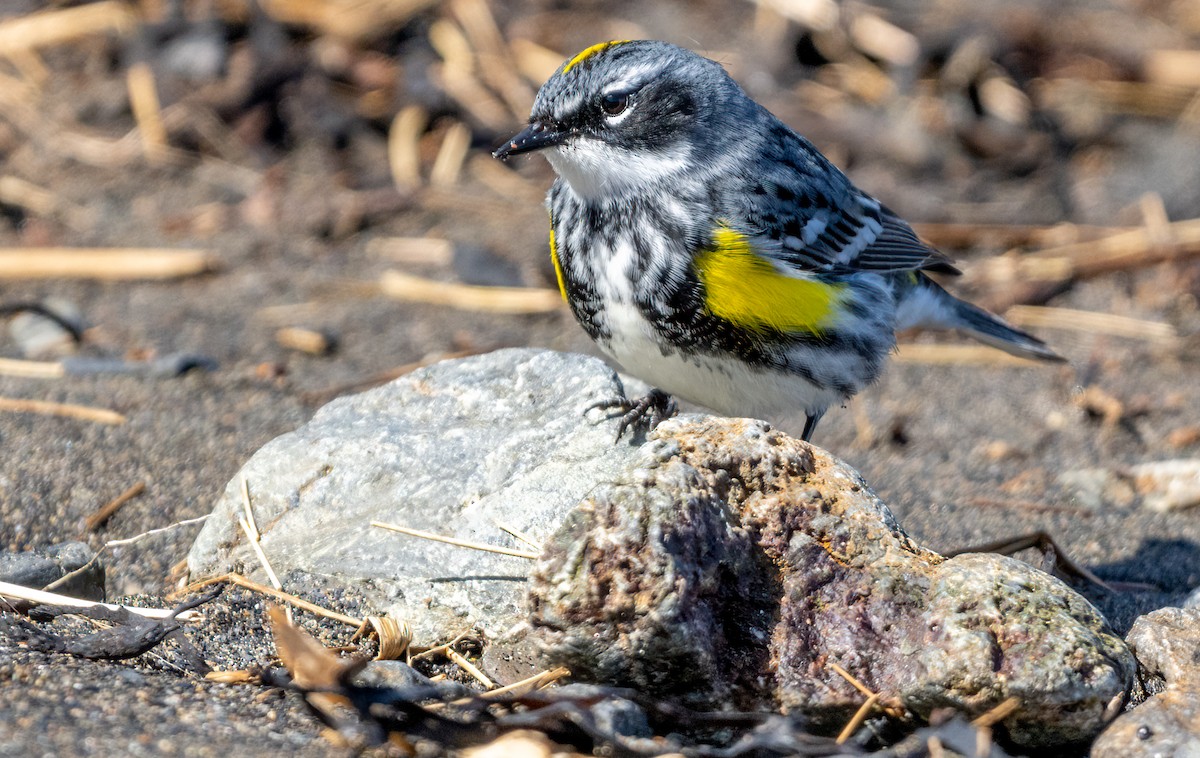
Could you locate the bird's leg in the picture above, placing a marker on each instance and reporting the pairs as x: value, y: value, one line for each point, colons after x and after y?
x: 810, y: 425
x: 651, y: 410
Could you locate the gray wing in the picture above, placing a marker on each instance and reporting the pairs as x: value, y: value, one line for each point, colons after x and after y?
x: 806, y: 214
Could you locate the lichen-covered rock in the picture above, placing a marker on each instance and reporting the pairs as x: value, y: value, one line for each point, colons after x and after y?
x: 735, y: 556
x: 721, y: 561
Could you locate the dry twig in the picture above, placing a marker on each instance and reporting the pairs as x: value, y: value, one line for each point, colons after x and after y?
x: 105, y: 512
x: 66, y: 410
x: 107, y: 264
x: 467, y: 297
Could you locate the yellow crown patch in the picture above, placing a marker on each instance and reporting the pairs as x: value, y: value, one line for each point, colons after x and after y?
x: 591, y: 51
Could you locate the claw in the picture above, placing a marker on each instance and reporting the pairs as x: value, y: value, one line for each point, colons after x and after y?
x: 650, y: 410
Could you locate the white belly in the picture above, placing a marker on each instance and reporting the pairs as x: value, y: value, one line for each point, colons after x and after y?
x: 722, y: 384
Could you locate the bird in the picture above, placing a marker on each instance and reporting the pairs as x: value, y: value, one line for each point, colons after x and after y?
x: 715, y: 253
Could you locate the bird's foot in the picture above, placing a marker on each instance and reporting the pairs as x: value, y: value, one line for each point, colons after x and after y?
x: 649, y: 410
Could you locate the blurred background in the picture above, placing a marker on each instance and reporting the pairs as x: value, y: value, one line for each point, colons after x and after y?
x: 295, y: 199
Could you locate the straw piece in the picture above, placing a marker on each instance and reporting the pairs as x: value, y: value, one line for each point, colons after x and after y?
x: 105, y: 512
x: 404, y: 146
x: 23, y: 194
x: 55, y: 27
x: 457, y: 542
x: 32, y: 369
x: 884, y: 40
x: 429, y: 251
x: 495, y: 62
x: 948, y: 355
x: 42, y: 597
x: 233, y: 676
x: 1092, y: 322
x: 290, y: 599
x: 530, y: 684
x: 469, y: 297
x: 65, y: 410
x: 308, y: 341
x: 449, y: 162
x: 998, y: 714
x: 522, y: 536
x: 859, y: 717
x: 109, y: 264
x: 469, y: 667
x: 147, y: 112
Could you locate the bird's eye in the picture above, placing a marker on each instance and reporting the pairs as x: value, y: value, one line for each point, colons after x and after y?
x: 614, y: 103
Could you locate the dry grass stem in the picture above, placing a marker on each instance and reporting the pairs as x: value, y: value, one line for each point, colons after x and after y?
x: 854, y: 682
x: 934, y: 354
x: 106, y: 511
x: 233, y: 676
x: 531, y: 684
x: 495, y: 62
x: 447, y: 166
x: 280, y: 595
x: 109, y: 264
x: 147, y: 111
x: 42, y: 597
x: 460, y: 660
x: 429, y: 251
x: 32, y: 369
x: 54, y: 27
x: 404, y: 146
x: 467, y: 297
x: 65, y: 410
x: 522, y: 536
x: 439, y: 649
x: 250, y: 528
x: 859, y: 717
x: 457, y: 542
x: 1092, y: 322
x: 304, y: 340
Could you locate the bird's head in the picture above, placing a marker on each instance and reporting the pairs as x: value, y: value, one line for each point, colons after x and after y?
x: 623, y: 116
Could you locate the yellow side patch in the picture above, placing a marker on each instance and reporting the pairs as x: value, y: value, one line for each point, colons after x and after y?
x: 743, y: 288
x: 558, y: 272
x: 593, y: 50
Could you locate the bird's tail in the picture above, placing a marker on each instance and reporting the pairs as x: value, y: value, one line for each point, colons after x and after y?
x: 926, y: 304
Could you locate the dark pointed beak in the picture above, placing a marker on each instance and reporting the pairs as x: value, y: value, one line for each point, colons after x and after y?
x: 536, y: 136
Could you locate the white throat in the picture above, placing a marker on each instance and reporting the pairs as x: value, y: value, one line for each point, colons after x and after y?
x: 596, y: 171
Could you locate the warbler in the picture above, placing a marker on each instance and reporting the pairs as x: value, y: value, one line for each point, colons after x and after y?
x: 714, y: 252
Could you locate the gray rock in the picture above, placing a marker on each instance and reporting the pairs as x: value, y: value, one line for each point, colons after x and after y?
x: 722, y: 561
x: 451, y: 449
x: 38, y: 568
x: 1167, y: 646
x: 737, y: 563
x: 1165, y: 726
